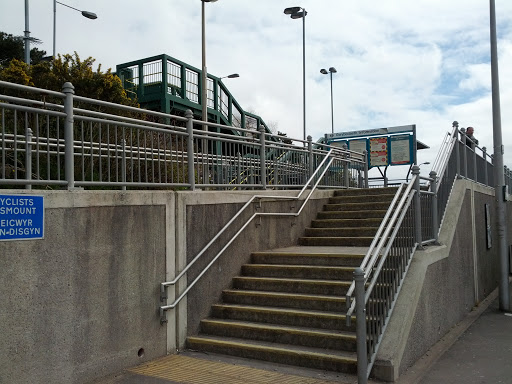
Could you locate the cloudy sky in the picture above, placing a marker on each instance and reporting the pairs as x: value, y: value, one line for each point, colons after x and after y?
x: 399, y: 62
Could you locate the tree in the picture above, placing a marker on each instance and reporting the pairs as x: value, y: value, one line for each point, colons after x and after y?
x: 12, y: 47
x: 285, y: 138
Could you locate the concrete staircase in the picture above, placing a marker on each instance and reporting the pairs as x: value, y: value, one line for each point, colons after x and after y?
x: 288, y: 306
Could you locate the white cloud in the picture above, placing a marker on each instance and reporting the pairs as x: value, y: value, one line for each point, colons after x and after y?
x: 423, y: 62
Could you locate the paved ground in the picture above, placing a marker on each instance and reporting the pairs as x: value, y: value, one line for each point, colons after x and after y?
x: 476, y: 351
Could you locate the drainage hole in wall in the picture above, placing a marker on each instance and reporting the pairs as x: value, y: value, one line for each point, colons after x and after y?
x: 140, y: 353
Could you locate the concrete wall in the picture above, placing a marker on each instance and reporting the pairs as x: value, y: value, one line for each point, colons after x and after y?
x: 82, y: 303
x: 444, y: 282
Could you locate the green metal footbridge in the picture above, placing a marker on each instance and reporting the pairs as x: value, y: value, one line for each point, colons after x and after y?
x: 165, y: 84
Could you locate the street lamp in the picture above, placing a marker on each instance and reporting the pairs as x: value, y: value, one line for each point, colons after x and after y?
x: 204, y: 100
x: 324, y: 72
x: 87, y: 14
x: 300, y: 13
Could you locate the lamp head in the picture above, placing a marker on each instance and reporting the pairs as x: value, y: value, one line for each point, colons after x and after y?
x: 323, y: 71
x: 291, y: 10
x: 89, y: 15
x: 232, y: 76
x: 332, y: 70
x: 298, y: 15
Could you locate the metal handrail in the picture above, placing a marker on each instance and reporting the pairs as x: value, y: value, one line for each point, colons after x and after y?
x: 164, y: 285
x: 388, y: 247
x: 370, y: 259
x: 382, y: 227
x: 445, y: 157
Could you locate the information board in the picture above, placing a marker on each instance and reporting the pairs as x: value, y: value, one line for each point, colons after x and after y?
x: 401, y: 149
x: 357, y: 145
x: 21, y: 217
x: 378, y: 151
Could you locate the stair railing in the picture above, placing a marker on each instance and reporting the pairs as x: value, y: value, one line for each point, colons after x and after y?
x: 377, y: 282
x: 319, y: 173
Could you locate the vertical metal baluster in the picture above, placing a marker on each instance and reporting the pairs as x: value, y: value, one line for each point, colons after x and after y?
x: 109, y: 159
x: 38, y: 154
x: 28, y: 156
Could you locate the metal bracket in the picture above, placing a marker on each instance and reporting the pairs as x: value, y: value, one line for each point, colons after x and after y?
x: 163, y: 317
x: 258, y: 222
x: 163, y: 292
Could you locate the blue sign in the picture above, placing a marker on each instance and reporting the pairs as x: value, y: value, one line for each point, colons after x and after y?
x: 21, y: 217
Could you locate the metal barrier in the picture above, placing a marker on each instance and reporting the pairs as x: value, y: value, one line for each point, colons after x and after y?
x: 47, y: 141
x: 378, y: 280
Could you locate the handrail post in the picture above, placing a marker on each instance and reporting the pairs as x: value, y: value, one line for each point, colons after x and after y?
x: 362, y: 353
x: 486, y: 173
x: 465, y: 155
x: 28, y: 158
x: 69, y: 90
x: 190, y: 149
x: 346, y: 179
x: 123, y: 165
x: 435, y: 218
x: 310, y: 153
x: 365, y: 169
x: 417, y: 206
x: 263, y: 155
x: 457, y: 149
x: 475, y: 173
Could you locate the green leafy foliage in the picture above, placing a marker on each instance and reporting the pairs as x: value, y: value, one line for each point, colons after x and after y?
x: 52, y: 75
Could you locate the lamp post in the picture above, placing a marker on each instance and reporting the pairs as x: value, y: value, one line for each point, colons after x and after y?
x: 87, y: 14
x: 27, y: 35
x: 300, y: 13
x: 499, y: 177
x: 324, y: 72
x: 204, y: 101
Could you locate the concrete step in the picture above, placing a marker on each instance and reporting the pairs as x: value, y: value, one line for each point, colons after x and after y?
x: 298, y: 271
x: 307, y: 286
x: 307, y: 337
x: 283, y: 299
x: 341, y: 232
x: 349, y: 214
x: 363, y: 206
x: 349, y: 199
x: 366, y: 191
x: 346, y: 223
x: 337, y: 241
x: 283, y: 316
x: 331, y: 259
x: 279, y: 353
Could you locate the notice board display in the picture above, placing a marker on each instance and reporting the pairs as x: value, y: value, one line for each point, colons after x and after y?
x: 357, y: 145
x: 378, y: 151
x: 401, y: 149
x: 21, y: 217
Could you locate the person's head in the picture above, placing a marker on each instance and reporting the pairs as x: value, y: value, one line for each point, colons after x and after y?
x: 469, y: 131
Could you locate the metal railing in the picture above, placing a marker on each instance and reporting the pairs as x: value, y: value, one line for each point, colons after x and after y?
x: 55, y: 139
x: 409, y: 224
x: 378, y: 280
x: 314, y: 181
